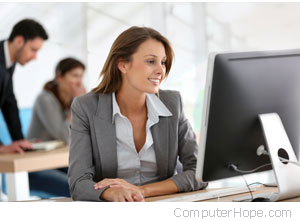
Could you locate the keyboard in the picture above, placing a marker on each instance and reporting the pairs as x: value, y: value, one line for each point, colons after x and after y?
x: 48, y: 145
x: 207, y: 195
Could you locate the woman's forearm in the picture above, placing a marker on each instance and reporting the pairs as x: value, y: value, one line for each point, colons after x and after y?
x: 160, y: 188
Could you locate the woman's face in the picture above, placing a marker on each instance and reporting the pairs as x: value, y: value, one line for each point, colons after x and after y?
x: 147, y: 69
x: 71, y: 82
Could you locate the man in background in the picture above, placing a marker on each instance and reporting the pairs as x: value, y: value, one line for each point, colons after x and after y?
x: 25, y: 40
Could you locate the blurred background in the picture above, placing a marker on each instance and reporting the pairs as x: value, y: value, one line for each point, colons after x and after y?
x: 87, y: 30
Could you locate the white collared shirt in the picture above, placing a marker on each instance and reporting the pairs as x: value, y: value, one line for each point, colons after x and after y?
x: 135, y: 167
x: 8, y: 61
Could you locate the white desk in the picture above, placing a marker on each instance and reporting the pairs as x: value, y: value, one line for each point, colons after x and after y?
x: 16, y: 167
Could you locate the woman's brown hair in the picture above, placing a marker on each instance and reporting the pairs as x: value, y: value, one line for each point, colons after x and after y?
x: 123, y: 47
x: 62, y: 68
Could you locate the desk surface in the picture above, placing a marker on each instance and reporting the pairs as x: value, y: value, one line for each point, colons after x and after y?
x: 34, y: 160
x: 222, y: 199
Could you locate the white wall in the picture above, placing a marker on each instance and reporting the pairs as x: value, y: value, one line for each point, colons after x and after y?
x: 87, y: 30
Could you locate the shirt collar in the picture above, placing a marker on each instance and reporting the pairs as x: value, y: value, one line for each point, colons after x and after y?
x: 8, y: 61
x: 116, y: 108
x: 155, y: 107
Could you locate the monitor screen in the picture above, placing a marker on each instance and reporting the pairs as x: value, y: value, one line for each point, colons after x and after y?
x: 239, y: 87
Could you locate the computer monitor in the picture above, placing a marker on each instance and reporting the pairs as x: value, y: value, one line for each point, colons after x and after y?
x: 239, y: 87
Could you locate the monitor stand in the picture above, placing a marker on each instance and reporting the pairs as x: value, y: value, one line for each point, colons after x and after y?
x: 278, y: 143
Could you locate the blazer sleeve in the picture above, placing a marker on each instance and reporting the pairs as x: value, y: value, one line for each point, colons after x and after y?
x: 81, y: 168
x: 187, y: 152
x: 11, y: 113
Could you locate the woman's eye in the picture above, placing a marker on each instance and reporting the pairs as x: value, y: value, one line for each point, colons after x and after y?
x: 164, y: 63
x: 150, y: 61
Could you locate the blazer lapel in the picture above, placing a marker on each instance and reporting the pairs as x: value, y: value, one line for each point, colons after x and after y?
x: 106, y: 136
x: 11, y: 69
x: 161, y: 146
x: 2, y: 55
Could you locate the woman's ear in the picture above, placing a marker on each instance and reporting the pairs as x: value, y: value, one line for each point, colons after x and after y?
x: 58, y: 77
x: 122, y: 66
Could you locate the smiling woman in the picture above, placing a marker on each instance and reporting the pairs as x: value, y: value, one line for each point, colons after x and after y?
x: 122, y: 50
x: 127, y: 134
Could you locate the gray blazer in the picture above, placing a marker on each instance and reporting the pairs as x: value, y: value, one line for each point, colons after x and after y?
x: 93, y: 154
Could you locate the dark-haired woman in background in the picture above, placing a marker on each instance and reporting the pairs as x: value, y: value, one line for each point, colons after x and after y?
x: 51, y: 111
x: 50, y: 121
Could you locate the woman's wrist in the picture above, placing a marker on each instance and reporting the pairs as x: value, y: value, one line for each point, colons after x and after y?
x: 104, y: 193
x: 143, y: 190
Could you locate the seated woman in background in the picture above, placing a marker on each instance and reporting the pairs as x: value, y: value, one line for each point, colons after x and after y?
x: 51, y: 111
x: 126, y: 134
x: 50, y: 121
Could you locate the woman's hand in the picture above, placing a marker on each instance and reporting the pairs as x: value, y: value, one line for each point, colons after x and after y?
x: 119, y: 190
x: 114, y: 183
x: 78, y: 90
x: 122, y: 194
